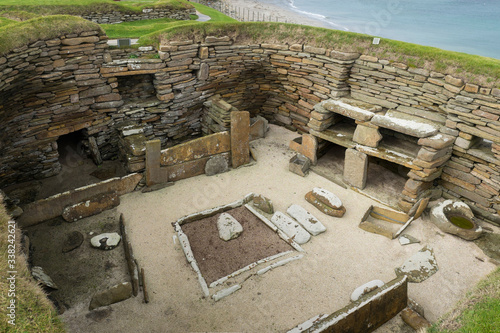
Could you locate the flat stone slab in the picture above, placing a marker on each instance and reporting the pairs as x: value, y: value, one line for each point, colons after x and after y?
x: 229, y: 228
x: 42, y: 277
x: 347, y: 110
x: 324, y: 208
x: 306, y: 220
x: 106, y: 241
x: 407, y: 239
x: 420, y: 266
x: 365, y: 289
x: 117, y: 293
x: 406, y: 124
x: 327, y: 197
x: 92, y: 206
x: 291, y: 228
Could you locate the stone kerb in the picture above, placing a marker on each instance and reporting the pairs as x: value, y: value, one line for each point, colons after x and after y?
x: 146, y: 14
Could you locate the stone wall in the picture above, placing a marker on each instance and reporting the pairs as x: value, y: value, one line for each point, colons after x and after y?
x: 146, y: 14
x: 51, y: 88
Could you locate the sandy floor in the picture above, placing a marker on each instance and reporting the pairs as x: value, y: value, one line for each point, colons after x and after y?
x: 336, y: 262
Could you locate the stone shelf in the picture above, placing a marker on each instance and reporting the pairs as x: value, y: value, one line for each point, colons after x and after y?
x: 394, y: 150
x: 340, y: 134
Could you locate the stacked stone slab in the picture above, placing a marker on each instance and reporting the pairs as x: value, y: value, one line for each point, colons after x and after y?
x: 217, y: 115
x: 132, y: 147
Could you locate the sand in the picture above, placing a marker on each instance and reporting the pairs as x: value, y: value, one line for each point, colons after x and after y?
x: 335, y: 264
x: 248, y: 9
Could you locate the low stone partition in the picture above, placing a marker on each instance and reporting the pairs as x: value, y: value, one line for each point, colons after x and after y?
x: 55, y: 205
x: 364, y: 315
x: 210, y: 154
x: 145, y: 14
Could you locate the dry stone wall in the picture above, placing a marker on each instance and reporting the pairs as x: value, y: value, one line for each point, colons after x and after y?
x: 146, y: 14
x: 51, y: 88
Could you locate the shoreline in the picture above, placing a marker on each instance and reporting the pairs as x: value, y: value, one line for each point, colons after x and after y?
x: 275, y: 11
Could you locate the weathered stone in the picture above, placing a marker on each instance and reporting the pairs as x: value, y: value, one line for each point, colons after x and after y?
x: 429, y: 155
x: 444, y: 213
x: 263, y: 203
x: 92, y: 206
x: 214, y: 144
x: 215, y: 165
x: 365, y: 289
x: 115, y: 294
x: 419, y: 267
x: 355, y: 168
x: 106, y: 241
x: 308, y: 146
x: 407, y: 239
x: 405, y: 124
x: 73, y: 241
x: 240, y: 136
x: 258, y: 128
x: 229, y: 228
x: 348, y: 110
x: 336, y: 212
x: 367, y: 135
x: 299, y: 164
x: 291, y: 228
x: 79, y: 40
x: 40, y: 275
x: 203, y: 72
x: 306, y: 220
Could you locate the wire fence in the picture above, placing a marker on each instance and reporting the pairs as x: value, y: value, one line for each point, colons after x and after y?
x: 242, y: 14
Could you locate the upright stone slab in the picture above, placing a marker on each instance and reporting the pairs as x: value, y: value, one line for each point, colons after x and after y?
x: 355, y: 168
x: 240, y: 134
x: 367, y: 135
x: 154, y: 174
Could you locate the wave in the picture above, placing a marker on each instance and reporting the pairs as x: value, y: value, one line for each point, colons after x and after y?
x: 322, y: 18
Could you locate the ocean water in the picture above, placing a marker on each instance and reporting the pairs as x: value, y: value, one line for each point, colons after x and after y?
x: 470, y: 26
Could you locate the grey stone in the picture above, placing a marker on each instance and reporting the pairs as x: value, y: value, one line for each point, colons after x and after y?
x: 215, y: 165
x: 291, y: 228
x: 299, y: 164
x: 407, y: 239
x: 419, y: 267
x: 117, y: 293
x: 406, y: 124
x: 355, y: 168
x: 306, y: 219
x: 73, y: 241
x: 348, y: 110
x: 106, y: 241
x: 229, y: 228
x: 263, y: 203
x: 368, y: 136
x: 39, y: 275
x: 442, y: 212
x: 365, y: 289
x: 225, y: 292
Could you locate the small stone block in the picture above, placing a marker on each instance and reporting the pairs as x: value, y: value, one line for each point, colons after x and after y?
x: 229, y: 228
x: 263, y: 203
x: 106, y: 241
x: 339, y: 212
x: 306, y: 219
x: 407, y: 239
x: 114, y: 294
x: 92, y: 206
x: 299, y: 164
x: 216, y: 164
x: 291, y: 228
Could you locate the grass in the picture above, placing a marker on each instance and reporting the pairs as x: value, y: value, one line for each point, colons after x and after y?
x: 82, y: 7
x: 34, y: 312
x: 472, y: 68
x: 41, y: 28
x: 479, y: 312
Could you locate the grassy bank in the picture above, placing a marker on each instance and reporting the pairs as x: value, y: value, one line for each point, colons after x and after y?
x: 33, y: 311
x: 82, y: 7
x: 478, y: 312
x: 41, y: 28
x: 473, y: 69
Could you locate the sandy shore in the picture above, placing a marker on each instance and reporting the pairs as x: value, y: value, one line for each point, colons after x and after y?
x: 336, y: 262
x: 251, y: 7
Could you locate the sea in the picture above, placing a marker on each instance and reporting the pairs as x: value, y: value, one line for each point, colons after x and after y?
x: 469, y: 26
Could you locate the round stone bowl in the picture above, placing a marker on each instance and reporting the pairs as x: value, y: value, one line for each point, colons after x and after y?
x: 456, y: 218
